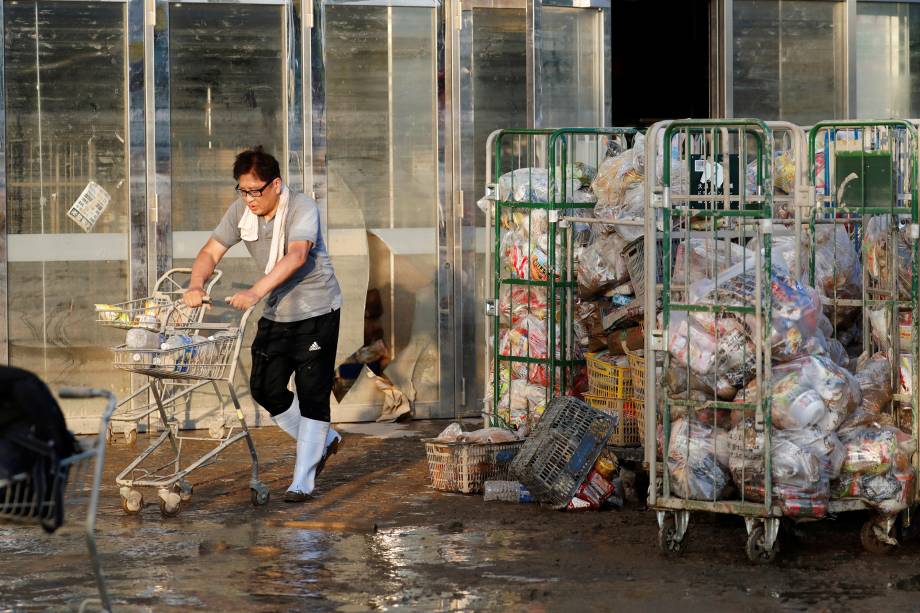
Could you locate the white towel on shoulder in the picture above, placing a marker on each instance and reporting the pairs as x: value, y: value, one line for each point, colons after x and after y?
x: 249, y: 228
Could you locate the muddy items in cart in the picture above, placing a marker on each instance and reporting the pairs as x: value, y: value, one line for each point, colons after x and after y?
x: 33, y: 440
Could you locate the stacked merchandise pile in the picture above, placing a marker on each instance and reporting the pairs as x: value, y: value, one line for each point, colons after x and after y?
x: 524, y: 253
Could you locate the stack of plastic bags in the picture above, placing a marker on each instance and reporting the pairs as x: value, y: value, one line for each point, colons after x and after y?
x: 810, y: 397
x: 877, y: 466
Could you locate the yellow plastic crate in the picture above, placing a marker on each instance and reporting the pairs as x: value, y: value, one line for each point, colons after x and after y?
x: 606, y: 379
x: 628, y: 427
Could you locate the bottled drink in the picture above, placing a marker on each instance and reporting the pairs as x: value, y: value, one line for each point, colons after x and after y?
x: 179, y: 360
x: 506, y: 491
x: 139, y: 338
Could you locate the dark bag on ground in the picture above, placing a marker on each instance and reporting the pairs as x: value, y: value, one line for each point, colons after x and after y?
x: 33, y: 440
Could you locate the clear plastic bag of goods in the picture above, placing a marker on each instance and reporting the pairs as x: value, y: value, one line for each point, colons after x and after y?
x: 705, y: 258
x: 531, y: 185
x: 800, y: 386
x: 521, y: 402
x: 601, y: 265
x: 869, y: 450
x: 698, y: 461
x: 874, y: 378
x: 488, y: 435
x: 837, y: 270
x: 616, y: 175
x: 724, y: 365
x: 141, y: 338
x: 450, y: 433
x: 519, y: 301
x: 882, y: 236
x: 878, y: 467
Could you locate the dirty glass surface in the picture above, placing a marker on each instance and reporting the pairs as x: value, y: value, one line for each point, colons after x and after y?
x: 381, y: 131
x: 887, y: 60
x: 788, y: 60
x: 65, y: 126
x: 570, y: 83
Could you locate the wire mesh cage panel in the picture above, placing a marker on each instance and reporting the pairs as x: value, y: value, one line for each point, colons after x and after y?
x: 862, y: 258
x: 542, y: 176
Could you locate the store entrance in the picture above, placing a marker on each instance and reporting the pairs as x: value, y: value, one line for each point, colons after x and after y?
x: 662, y: 71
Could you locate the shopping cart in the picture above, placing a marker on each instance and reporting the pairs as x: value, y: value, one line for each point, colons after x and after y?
x: 75, y: 481
x: 156, y: 312
x: 211, y: 361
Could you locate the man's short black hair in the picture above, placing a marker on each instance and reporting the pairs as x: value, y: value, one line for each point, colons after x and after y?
x: 257, y: 161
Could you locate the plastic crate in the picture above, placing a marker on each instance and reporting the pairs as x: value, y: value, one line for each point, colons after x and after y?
x: 465, y: 467
x: 634, y: 254
x: 636, y: 371
x: 638, y: 407
x: 626, y: 434
x: 606, y: 379
x: 560, y: 452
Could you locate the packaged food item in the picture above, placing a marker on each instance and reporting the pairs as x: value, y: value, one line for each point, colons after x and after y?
x: 595, y: 490
x: 698, y: 461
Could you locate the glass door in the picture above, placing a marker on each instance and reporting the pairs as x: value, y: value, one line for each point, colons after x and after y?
x: 382, y: 190
x: 66, y: 125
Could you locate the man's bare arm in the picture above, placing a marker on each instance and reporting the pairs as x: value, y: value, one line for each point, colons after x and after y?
x: 205, y: 263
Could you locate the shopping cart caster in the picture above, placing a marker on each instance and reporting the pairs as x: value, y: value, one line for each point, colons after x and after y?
x: 170, y: 502
x: 877, y: 535
x: 672, y: 532
x: 185, y: 490
x: 258, y: 493
x: 131, y: 435
x: 757, y: 548
x: 132, y: 501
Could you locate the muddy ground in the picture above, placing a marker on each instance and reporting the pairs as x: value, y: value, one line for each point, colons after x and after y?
x: 378, y: 538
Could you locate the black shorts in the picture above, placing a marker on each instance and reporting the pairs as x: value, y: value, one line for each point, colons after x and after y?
x: 305, y: 349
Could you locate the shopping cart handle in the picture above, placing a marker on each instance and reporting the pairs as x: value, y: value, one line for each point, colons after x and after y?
x: 83, y: 392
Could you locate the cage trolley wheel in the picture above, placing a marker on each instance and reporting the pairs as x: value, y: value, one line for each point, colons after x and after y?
x: 672, y: 532
x: 762, y: 545
x: 877, y: 535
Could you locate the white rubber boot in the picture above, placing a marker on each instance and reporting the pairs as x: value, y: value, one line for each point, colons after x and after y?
x: 289, y: 421
x: 311, y: 439
x: 333, y: 444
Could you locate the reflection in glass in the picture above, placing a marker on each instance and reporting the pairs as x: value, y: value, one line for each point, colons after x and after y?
x: 225, y: 95
x: 381, y: 148
x: 65, y: 126
x: 887, y: 60
x: 788, y: 60
x: 570, y: 64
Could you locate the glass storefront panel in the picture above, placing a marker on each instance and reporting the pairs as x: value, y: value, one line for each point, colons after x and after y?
x: 382, y: 165
x: 226, y: 94
x: 788, y: 60
x: 66, y: 125
x: 887, y: 60
x: 571, y: 82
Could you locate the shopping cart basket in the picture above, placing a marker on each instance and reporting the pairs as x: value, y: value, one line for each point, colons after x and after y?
x: 156, y: 312
x: 212, y: 361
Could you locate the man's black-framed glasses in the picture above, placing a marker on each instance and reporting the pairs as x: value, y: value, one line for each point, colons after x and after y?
x: 253, y: 193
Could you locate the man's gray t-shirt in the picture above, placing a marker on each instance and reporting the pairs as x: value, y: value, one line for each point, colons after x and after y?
x: 313, y: 289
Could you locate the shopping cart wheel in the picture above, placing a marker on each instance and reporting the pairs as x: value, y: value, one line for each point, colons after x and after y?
x: 668, y: 542
x: 185, y: 490
x: 131, y: 435
x: 871, y: 537
x: 170, y: 503
x: 258, y: 494
x: 132, y: 501
x: 756, y: 548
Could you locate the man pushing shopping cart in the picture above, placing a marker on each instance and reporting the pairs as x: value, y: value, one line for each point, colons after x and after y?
x: 299, y: 330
